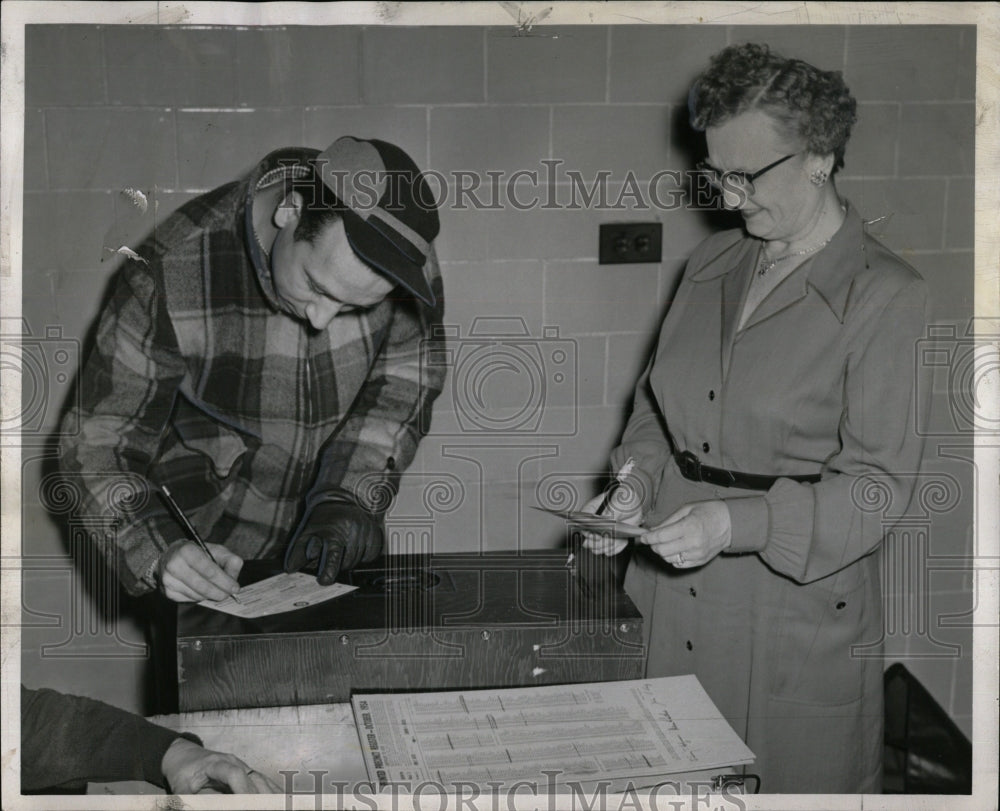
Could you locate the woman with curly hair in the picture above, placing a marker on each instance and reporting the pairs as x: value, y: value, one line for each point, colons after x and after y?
x: 780, y: 397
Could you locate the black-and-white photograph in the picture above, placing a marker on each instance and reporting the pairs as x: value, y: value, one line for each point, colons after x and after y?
x: 500, y: 405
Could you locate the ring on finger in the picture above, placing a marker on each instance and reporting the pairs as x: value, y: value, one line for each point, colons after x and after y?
x: 680, y: 558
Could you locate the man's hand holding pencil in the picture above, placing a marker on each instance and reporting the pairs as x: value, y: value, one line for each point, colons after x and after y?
x: 190, y: 570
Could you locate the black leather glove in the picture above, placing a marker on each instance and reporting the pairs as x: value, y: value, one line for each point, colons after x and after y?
x: 336, y: 535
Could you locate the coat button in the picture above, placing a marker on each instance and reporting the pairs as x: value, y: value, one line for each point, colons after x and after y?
x: 841, y: 605
x: 692, y: 592
x: 706, y: 447
x: 688, y: 645
x: 711, y: 394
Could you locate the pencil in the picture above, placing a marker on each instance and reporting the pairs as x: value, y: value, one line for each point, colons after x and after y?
x: 191, y: 531
x: 619, y: 478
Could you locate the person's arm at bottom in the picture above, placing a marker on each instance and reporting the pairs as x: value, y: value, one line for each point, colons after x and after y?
x: 68, y: 741
x: 188, y: 768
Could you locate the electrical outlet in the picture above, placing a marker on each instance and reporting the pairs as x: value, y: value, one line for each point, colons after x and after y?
x: 626, y: 242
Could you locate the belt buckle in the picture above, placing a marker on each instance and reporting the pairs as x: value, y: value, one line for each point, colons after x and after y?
x: 690, y: 466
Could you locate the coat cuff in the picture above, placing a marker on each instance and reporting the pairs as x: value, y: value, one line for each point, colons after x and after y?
x: 375, y: 495
x: 645, y: 476
x: 749, y: 520
x: 374, y: 489
x: 153, y: 745
x: 139, y: 549
x: 641, y: 483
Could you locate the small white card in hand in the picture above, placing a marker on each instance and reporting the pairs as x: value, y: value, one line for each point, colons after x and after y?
x: 598, y: 524
x: 275, y: 595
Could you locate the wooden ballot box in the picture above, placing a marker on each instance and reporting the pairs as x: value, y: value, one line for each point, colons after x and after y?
x: 441, y: 622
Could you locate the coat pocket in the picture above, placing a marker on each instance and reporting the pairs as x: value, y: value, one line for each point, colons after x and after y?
x: 205, y: 435
x: 813, y: 661
x: 221, y: 448
x: 201, y: 458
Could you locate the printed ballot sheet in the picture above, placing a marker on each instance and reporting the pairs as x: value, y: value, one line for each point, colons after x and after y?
x: 275, y: 595
x: 641, y: 729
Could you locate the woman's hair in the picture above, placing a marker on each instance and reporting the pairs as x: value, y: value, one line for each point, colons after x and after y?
x: 812, y: 105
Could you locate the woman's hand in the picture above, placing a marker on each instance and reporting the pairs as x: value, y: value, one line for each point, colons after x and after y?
x: 624, y: 506
x: 693, y: 535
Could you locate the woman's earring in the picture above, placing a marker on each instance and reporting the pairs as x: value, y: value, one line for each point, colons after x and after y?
x: 818, y: 177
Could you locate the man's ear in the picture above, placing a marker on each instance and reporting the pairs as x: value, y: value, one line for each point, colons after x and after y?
x: 289, y: 210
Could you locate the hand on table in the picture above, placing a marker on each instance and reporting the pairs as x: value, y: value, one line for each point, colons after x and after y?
x: 187, y: 574
x: 338, y: 535
x: 189, y: 768
x: 693, y: 535
x: 624, y: 506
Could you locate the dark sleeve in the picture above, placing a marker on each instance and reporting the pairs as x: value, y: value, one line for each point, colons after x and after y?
x: 112, y: 432
x: 379, y: 438
x: 68, y: 741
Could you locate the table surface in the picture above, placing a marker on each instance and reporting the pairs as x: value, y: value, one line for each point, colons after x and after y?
x: 320, y: 738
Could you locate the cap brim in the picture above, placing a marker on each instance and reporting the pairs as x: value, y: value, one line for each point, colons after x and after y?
x: 371, y: 247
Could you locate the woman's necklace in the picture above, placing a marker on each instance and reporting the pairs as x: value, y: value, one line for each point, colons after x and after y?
x: 768, y: 264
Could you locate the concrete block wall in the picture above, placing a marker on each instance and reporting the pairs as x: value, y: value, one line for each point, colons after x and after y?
x: 180, y: 110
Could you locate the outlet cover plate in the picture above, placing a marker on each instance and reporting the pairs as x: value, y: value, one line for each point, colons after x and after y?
x: 629, y: 242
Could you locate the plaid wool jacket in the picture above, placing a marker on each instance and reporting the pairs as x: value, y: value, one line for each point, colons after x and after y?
x: 199, y: 381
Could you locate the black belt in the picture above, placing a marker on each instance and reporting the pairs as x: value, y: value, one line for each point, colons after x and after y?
x: 692, y: 468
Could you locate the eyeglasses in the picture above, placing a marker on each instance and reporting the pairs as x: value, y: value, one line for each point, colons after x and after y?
x: 737, y: 181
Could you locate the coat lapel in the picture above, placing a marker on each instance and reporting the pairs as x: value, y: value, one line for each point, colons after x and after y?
x: 783, y: 296
x: 830, y: 272
x: 734, y: 288
x: 731, y: 262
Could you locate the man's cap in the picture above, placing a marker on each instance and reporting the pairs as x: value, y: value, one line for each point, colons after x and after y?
x: 391, y: 217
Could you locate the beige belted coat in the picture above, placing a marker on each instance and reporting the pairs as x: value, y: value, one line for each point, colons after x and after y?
x: 784, y: 628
